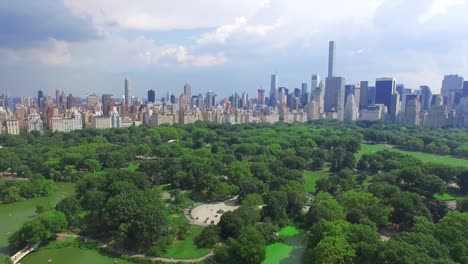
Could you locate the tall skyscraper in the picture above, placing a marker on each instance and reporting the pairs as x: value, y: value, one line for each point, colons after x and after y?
x: 57, y: 98
x: 384, y: 89
x: 261, y: 96
x: 188, y: 95
x: 334, y: 98
x: 426, y: 96
x: 92, y: 101
x: 315, y: 81
x: 303, y: 88
x: 273, y: 90
x: 151, y: 96
x: 451, y: 84
x: 331, y: 59
x: 465, y: 89
x: 40, y: 99
x: 128, y: 99
x: 107, y: 104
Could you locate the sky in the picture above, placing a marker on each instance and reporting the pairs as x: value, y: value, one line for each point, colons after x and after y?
x: 227, y: 46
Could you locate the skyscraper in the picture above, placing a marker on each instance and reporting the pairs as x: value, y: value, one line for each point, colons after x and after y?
x: 57, y: 98
x: 315, y: 80
x: 106, y: 104
x: 273, y: 89
x: 465, y: 89
x: 261, y: 96
x: 303, y: 88
x: 451, y: 84
x: 188, y: 95
x: 40, y: 99
x: 151, y: 96
x: 384, y: 89
x: 127, y: 94
x: 334, y: 98
x: 92, y: 100
x: 331, y: 59
x: 426, y: 96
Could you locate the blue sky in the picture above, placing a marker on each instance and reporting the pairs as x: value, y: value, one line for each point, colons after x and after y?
x: 90, y: 46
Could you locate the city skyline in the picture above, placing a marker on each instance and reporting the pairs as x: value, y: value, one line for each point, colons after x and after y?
x: 94, y: 45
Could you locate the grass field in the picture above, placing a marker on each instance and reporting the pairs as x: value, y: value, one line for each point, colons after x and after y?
x: 311, y: 178
x: 186, y: 249
x: 290, y: 251
x: 448, y: 196
x: 425, y: 157
x: 132, y: 167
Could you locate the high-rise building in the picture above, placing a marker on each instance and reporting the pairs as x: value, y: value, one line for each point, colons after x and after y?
x: 57, y: 98
x: 315, y: 81
x: 151, y: 96
x: 188, y: 95
x: 331, y: 59
x: 127, y: 94
x: 351, y: 113
x: 40, y: 99
x: 426, y: 96
x: 384, y: 89
x: 261, y: 96
x: 334, y: 98
x: 465, y: 89
x: 451, y: 84
x: 107, y: 104
x: 92, y: 101
x: 273, y: 89
x: 303, y: 88
x: 364, y: 96
x: 412, y: 112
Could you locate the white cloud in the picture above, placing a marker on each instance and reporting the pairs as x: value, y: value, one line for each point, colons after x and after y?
x: 51, y: 52
x: 439, y: 8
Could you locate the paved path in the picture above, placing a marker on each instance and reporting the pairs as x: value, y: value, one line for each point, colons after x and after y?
x: 134, y: 254
x: 23, y: 253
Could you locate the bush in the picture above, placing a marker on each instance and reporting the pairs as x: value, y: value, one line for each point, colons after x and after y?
x: 209, y: 237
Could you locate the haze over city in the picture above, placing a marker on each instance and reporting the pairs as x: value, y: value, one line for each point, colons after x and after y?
x: 226, y: 46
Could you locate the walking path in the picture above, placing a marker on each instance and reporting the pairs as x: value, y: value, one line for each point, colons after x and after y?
x: 134, y: 254
x: 23, y: 253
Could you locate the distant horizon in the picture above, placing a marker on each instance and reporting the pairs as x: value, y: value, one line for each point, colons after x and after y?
x: 93, y: 45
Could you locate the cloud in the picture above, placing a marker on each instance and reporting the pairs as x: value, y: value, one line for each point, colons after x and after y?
x: 28, y: 22
x: 439, y: 8
x: 166, y: 15
x: 51, y: 52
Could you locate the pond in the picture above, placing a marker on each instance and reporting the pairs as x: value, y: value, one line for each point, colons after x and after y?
x: 12, y: 216
x: 70, y: 255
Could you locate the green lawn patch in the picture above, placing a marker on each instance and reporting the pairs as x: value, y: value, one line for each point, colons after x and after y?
x: 133, y: 167
x: 424, y: 157
x: 186, y: 249
x: 290, y: 251
x: 277, y: 252
x: 289, y: 231
x: 311, y: 178
x: 448, y: 196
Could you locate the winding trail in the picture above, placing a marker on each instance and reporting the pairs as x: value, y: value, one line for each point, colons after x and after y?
x: 134, y: 254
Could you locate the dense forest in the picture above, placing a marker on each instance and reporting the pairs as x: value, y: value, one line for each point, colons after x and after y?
x: 261, y: 165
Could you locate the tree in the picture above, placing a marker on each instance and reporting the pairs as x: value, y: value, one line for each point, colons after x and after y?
x: 249, y: 248
x: 371, y: 207
x: 332, y: 250
x: 70, y: 207
x: 231, y: 225
x: 209, y: 237
x: 324, y: 206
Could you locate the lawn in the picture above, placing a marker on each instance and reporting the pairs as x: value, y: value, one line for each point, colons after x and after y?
x: 448, y: 196
x: 311, y: 178
x: 186, y: 249
x: 133, y: 167
x: 425, y: 157
x: 290, y: 251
